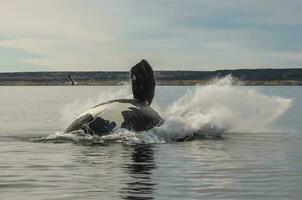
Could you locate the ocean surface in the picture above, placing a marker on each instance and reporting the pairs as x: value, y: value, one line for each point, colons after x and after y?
x: 250, y: 145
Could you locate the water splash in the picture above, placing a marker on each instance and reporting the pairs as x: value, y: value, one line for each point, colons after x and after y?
x: 208, y: 110
x: 222, y: 107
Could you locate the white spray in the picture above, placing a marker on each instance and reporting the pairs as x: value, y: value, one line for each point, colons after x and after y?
x: 222, y: 107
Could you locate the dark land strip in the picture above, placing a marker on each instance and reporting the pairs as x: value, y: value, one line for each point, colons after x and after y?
x: 290, y: 76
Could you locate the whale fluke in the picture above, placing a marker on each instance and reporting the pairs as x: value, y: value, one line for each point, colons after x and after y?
x: 143, y: 82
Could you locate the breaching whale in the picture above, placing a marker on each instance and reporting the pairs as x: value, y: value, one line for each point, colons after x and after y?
x: 132, y: 114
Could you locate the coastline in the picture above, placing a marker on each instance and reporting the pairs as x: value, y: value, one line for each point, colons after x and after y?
x: 286, y: 76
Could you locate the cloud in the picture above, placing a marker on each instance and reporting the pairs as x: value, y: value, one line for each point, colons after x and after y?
x: 113, y: 35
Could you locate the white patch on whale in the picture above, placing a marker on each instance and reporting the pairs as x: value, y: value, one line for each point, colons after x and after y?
x: 111, y: 111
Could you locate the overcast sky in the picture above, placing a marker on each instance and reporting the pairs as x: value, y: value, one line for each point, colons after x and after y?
x: 46, y: 35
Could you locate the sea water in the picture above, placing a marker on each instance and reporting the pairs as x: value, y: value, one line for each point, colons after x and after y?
x: 249, y: 145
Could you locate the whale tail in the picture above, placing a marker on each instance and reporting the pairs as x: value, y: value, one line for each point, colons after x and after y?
x: 143, y: 82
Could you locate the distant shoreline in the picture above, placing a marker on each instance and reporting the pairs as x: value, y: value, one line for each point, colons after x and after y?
x: 290, y: 76
x: 159, y: 83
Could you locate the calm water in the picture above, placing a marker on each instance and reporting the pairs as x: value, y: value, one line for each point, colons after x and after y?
x: 238, y: 165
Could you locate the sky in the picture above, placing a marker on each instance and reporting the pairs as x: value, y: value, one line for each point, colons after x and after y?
x: 81, y: 35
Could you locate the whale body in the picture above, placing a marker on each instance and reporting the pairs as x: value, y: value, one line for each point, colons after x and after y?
x: 132, y: 114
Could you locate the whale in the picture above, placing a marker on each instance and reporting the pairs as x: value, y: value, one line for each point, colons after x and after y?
x: 133, y: 114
